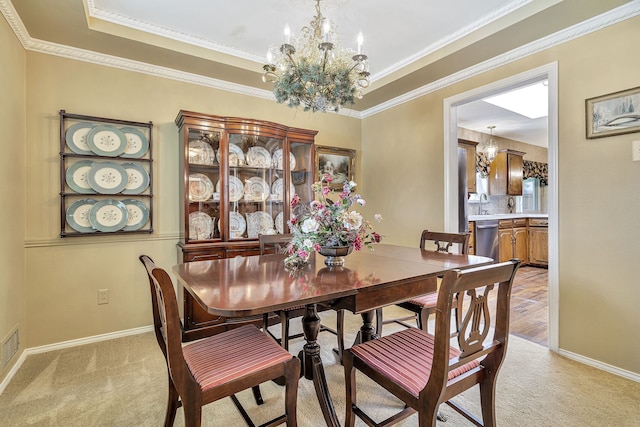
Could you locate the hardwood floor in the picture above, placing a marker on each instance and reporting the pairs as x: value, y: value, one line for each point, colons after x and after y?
x: 530, y: 305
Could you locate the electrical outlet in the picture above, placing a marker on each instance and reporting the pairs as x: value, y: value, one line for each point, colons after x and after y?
x: 103, y: 296
x: 635, y: 146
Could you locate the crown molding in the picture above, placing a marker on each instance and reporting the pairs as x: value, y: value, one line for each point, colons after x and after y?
x: 105, y: 15
x: 462, y: 32
x: 614, y: 16
x: 64, y: 51
x: 596, y: 23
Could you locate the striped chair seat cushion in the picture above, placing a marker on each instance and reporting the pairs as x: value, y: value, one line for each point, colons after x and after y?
x: 428, y: 300
x: 232, y: 354
x: 406, y: 357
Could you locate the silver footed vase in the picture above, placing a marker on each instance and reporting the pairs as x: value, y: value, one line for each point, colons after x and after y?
x: 334, y: 255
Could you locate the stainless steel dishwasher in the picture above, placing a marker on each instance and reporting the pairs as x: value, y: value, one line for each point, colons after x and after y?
x: 487, y: 238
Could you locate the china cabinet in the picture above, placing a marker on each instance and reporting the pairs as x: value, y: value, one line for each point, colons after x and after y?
x: 505, y: 173
x: 106, y: 184
x: 237, y: 177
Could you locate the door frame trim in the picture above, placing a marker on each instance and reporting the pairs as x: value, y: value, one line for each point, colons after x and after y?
x: 550, y: 73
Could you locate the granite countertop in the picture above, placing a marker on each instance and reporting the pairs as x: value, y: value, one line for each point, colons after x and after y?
x: 507, y: 216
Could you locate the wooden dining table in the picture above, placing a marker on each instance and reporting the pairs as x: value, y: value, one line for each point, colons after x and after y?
x: 255, y: 285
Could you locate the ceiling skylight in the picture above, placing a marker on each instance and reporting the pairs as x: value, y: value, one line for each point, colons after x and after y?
x: 529, y: 101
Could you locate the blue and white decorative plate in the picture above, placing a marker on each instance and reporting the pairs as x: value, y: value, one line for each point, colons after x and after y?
x: 76, y: 137
x: 138, y: 178
x: 78, y: 215
x: 77, y: 177
x: 138, y: 214
x: 107, y: 141
x: 108, y: 215
x: 107, y: 177
x: 137, y: 143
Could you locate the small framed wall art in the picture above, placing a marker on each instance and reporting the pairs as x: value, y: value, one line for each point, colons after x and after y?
x: 338, y: 163
x: 613, y: 114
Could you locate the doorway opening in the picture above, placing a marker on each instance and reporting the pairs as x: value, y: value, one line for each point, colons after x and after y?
x: 549, y: 73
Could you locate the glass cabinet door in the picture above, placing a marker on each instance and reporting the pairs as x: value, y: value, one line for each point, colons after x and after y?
x: 301, y: 171
x: 256, y: 186
x: 204, y: 184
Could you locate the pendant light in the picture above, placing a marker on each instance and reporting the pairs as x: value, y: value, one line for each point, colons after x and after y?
x: 491, y: 148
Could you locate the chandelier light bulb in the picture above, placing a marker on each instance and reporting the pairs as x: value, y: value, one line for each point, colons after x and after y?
x: 326, y: 28
x: 287, y: 34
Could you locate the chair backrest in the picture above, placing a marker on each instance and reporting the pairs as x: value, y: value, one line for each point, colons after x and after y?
x: 277, y: 242
x: 479, y: 317
x: 166, y: 318
x: 444, y: 241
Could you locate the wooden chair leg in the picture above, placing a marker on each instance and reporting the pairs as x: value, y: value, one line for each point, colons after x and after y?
x: 173, y: 403
x: 292, y: 374
x: 423, y: 319
x: 340, y: 333
x: 379, y: 321
x: 257, y: 395
x: 350, y: 389
x: 487, y: 401
x: 284, y: 322
x: 192, y: 414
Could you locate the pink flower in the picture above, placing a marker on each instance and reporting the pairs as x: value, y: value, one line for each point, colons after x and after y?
x: 357, y: 243
x: 325, y: 191
x: 328, y: 178
x: 295, y: 200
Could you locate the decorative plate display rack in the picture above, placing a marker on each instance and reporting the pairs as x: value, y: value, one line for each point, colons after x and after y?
x: 106, y: 176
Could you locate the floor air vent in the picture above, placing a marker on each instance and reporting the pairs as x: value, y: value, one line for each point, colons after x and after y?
x: 10, y: 347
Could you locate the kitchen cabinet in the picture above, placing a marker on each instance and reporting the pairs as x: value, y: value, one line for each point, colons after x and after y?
x: 512, y: 239
x: 236, y: 179
x: 470, y: 148
x: 472, y: 238
x: 538, y: 242
x: 505, y: 174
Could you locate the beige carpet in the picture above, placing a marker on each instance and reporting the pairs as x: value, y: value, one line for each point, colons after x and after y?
x: 122, y: 382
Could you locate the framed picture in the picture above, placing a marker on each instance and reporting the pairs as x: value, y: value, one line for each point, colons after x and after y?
x: 614, y: 114
x: 337, y: 162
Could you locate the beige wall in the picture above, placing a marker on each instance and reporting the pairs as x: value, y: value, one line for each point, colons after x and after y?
x: 63, y: 275
x: 599, y: 201
x: 12, y: 176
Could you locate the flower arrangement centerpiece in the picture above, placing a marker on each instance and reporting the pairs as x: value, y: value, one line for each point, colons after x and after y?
x: 328, y: 227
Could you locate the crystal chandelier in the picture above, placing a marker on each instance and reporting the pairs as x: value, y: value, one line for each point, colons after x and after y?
x: 491, y: 148
x: 312, y: 70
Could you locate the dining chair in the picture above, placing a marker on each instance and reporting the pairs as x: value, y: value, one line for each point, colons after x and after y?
x: 219, y: 366
x: 423, y: 306
x: 278, y: 243
x: 424, y: 370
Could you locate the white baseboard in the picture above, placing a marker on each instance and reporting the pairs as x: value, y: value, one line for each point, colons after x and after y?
x: 600, y: 365
x: 67, y: 344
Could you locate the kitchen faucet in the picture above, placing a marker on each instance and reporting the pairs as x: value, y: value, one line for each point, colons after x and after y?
x: 486, y: 199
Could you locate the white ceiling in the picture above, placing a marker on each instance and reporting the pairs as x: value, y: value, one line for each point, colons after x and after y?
x: 397, y: 34
x: 478, y: 115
